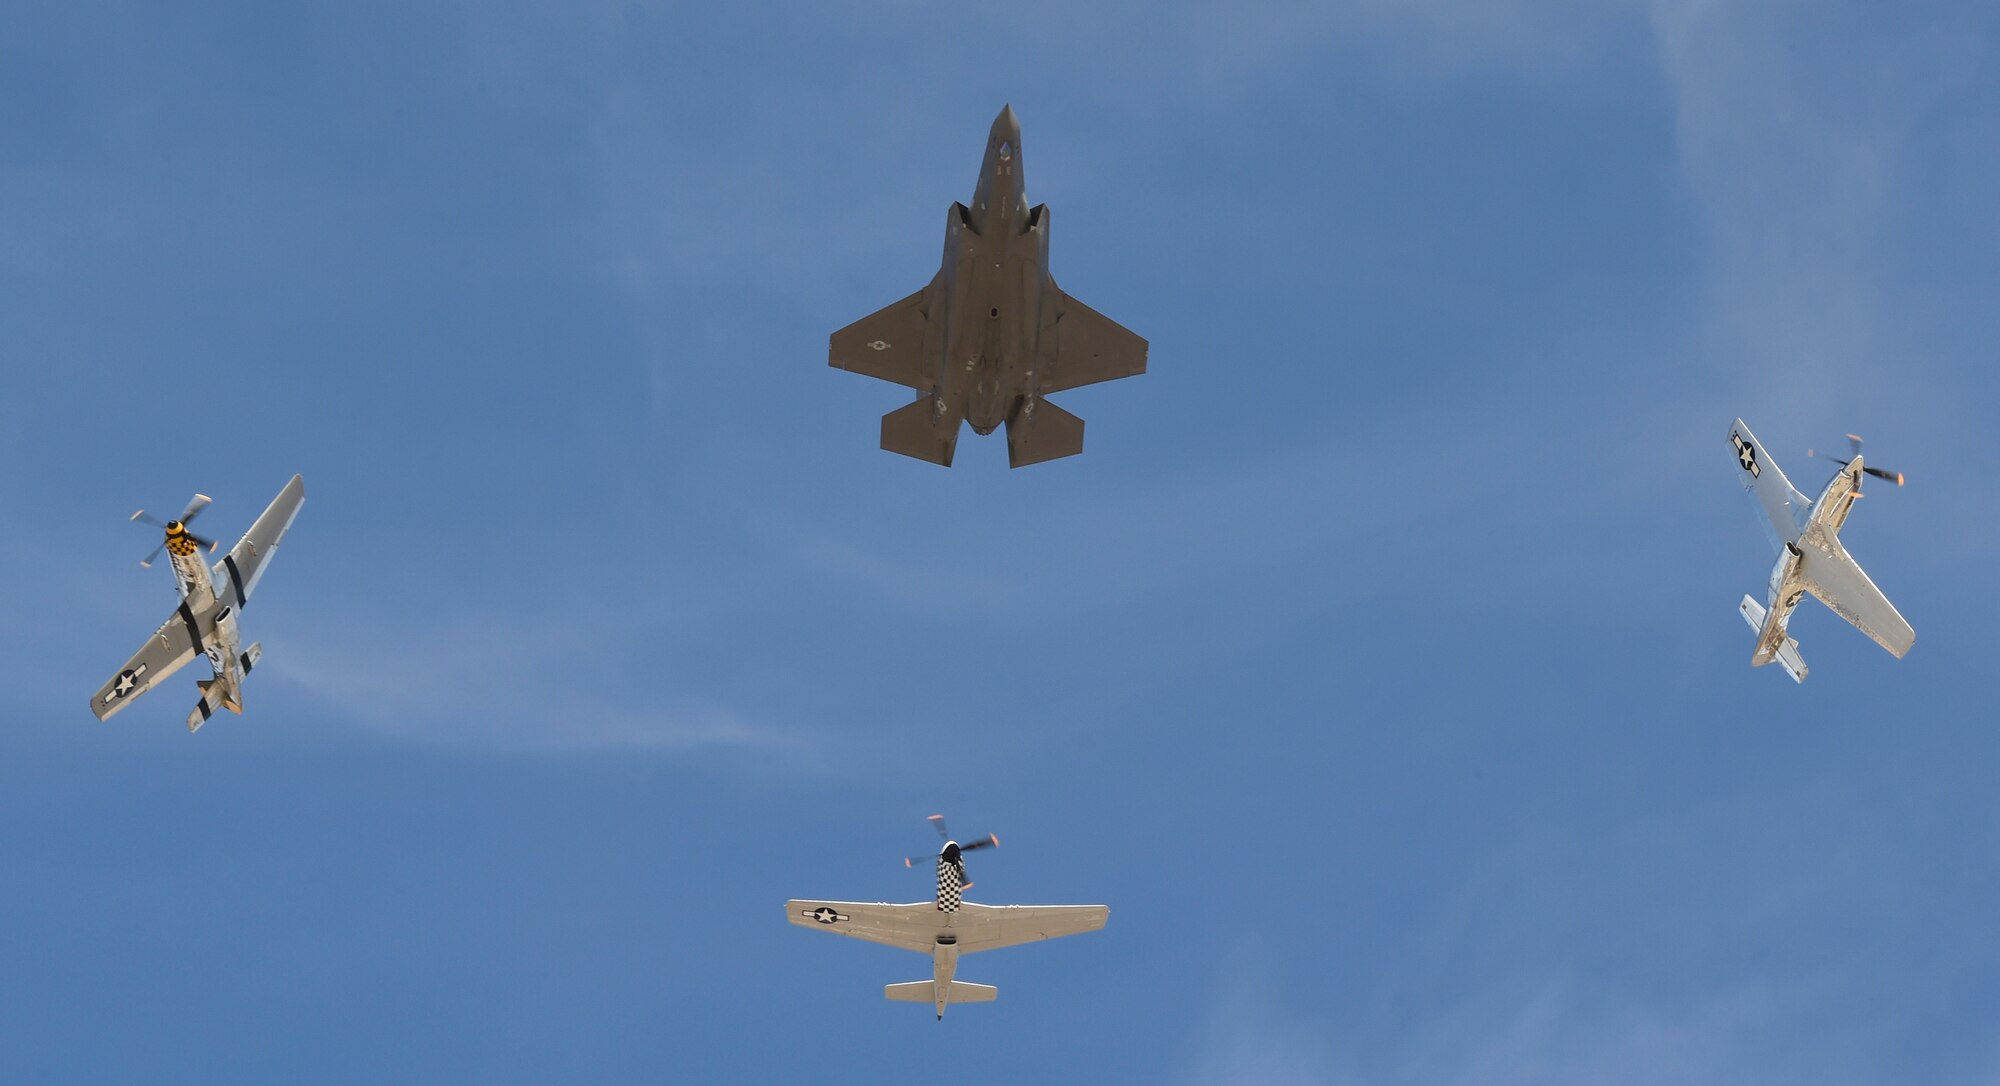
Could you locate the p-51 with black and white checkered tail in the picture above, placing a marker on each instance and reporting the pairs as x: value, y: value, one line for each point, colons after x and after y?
x: 205, y: 622
x: 946, y: 926
x: 1811, y: 558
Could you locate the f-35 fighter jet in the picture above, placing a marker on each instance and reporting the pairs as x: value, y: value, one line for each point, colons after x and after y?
x: 992, y: 334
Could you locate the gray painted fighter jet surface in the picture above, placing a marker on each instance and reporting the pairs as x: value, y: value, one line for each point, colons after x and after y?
x: 205, y: 622
x: 1811, y: 559
x: 946, y: 927
x: 992, y: 334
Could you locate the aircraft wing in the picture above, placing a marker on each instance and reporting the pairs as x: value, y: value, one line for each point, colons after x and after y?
x: 1091, y: 347
x: 236, y: 575
x: 912, y: 927
x: 1840, y: 583
x: 887, y: 344
x: 989, y: 927
x: 1785, y: 509
x: 169, y: 650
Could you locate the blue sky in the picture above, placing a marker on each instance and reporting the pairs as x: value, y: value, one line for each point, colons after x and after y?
x: 1378, y: 664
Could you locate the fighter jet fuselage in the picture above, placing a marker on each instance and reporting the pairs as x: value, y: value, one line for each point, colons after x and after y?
x: 995, y: 266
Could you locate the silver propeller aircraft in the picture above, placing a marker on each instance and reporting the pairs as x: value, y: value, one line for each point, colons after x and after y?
x: 1806, y: 537
x: 205, y: 623
x: 946, y: 926
x: 992, y: 334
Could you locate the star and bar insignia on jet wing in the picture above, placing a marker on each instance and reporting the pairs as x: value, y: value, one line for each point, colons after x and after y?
x: 824, y: 915
x: 1746, y: 454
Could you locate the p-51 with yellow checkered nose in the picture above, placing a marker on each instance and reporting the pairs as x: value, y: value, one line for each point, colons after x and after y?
x: 211, y: 598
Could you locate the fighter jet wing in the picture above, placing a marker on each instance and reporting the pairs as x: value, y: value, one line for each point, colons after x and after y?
x: 1840, y: 583
x: 1091, y: 347
x: 888, y: 344
x: 988, y: 927
x: 236, y: 575
x: 1785, y: 509
x: 912, y: 927
x: 169, y: 650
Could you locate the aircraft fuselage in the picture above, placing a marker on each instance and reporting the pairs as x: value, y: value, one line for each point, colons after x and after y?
x: 995, y: 276
x: 222, y: 644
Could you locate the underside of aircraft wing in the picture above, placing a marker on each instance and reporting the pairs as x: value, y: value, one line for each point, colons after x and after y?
x: 178, y: 640
x: 236, y: 575
x: 888, y: 344
x: 1785, y: 509
x: 911, y: 927
x: 989, y: 927
x: 1091, y: 347
x: 1839, y: 582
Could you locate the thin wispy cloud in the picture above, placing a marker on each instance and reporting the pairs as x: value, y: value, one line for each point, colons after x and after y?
x: 475, y: 682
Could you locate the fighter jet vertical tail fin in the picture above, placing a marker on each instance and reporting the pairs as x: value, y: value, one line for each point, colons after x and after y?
x: 915, y: 431
x: 1042, y: 431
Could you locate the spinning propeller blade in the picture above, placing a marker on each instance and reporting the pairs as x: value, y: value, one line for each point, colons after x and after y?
x: 193, y: 510
x: 937, y: 823
x: 1854, y: 443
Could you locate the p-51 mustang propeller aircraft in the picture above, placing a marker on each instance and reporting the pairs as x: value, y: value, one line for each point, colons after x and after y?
x: 205, y: 623
x: 946, y: 926
x: 1811, y: 559
x: 992, y: 334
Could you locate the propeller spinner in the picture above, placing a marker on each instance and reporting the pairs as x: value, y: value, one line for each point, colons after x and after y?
x: 176, y: 529
x: 937, y: 823
x: 1854, y: 443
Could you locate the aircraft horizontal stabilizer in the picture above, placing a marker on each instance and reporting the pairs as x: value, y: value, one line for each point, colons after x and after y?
x: 924, y: 991
x: 202, y: 710
x: 1788, y: 650
x: 911, y: 431
x: 1042, y: 431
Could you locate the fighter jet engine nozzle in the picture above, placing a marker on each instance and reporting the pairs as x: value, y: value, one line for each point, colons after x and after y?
x: 176, y: 536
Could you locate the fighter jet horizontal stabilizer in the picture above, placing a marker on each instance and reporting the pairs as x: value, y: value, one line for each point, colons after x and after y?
x: 1042, y: 431
x: 912, y: 431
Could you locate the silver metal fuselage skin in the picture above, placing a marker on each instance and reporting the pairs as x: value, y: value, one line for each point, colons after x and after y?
x: 1782, y: 596
x: 995, y: 279
x: 1821, y: 532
